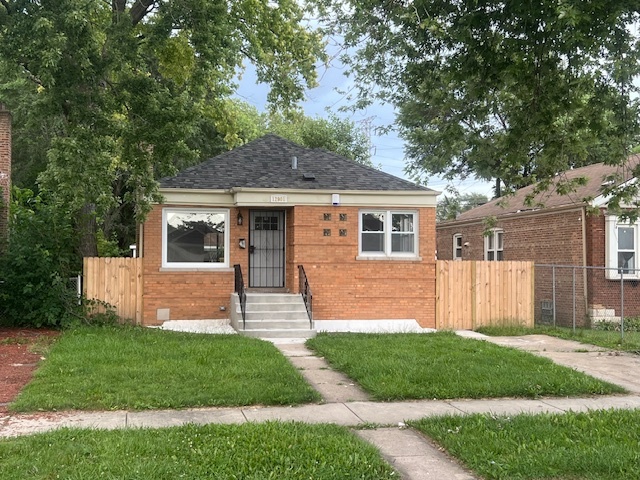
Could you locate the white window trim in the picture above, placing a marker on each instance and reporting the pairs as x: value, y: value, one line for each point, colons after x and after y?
x: 493, y: 234
x: 612, y: 222
x: 195, y: 265
x: 455, y: 246
x: 388, y: 254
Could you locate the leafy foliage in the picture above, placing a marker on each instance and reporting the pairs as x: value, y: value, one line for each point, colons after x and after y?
x: 120, y: 89
x: 450, y: 206
x: 514, y: 91
x: 244, y: 123
x: 36, y: 266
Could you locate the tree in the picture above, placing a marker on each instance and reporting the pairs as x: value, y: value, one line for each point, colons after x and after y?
x: 37, y: 263
x: 243, y: 123
x: 510, y: 91
x: 450, y: 206
x: 121, y: 88
x: 334, y: 134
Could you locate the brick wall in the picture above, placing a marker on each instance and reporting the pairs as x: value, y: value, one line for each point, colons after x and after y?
x: 189, y: 295
x: 603, y: 292
x: 344, y: 288
x: 5, y: 168
x: 542, y: 237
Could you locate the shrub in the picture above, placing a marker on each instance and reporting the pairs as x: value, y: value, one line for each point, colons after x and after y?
x: 37, y: 263
x: 631, y: 324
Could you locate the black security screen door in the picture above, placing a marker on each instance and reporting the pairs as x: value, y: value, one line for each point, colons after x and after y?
x: 266, y: 249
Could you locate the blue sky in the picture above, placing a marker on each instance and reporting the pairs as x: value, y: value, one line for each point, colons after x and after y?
x: 387, y: 151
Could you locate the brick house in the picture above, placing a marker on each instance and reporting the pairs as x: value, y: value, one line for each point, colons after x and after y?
x: 365, y: 239
x: 564, y: 231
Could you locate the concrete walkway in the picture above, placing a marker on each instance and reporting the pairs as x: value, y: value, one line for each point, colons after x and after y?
x: 413, y: 455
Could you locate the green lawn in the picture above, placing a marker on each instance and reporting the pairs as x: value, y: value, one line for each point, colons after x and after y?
x: 136, y: 368
x: 260, y: 451
x: 443, y: 365
x: 606, y: 339
x: 601, y: 445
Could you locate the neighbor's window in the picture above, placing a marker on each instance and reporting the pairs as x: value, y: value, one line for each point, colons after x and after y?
x: 622, y: 247
x: 388, y: 233
x: 195, y: 238
x: 457, y: 246
x: 493, y: 245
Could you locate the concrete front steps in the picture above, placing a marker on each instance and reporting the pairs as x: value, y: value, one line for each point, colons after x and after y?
x: 272, y: 315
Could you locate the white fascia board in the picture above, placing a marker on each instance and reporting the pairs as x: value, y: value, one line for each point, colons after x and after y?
x: 351, y: 198
x: 209, y: 198
x: 272, y: 197
x: 601, y: 201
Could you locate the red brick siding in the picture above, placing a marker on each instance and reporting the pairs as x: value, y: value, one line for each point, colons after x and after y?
x: 603, y: 292
x: 545, y: 238
x: 5, y: 169
x: 190, y: 295
x: 346, y: 288
x: 343, y: 287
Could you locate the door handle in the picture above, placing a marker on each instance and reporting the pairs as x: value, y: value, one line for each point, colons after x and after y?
x: 252, y: 249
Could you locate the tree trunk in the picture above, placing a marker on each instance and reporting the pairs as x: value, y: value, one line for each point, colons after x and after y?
x: 87, y: 229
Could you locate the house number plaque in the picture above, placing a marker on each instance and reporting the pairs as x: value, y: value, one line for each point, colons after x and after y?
x: 278, y: 199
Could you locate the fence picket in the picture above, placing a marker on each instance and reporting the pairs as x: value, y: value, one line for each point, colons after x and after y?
x: 116, y: 281
x: 471, y: 294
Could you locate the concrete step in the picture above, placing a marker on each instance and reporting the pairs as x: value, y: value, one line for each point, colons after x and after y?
x: 279, y: 333
x: 274, y: 314
x: 278, y: 307
x: 273, y: 297
x: 277, y: 324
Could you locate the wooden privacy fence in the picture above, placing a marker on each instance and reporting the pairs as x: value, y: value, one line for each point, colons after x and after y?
x: 472, y: 294
x: 116, y: 281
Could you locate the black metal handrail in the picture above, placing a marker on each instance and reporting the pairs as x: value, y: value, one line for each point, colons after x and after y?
x: 242, y: 293
x: 305, y: 291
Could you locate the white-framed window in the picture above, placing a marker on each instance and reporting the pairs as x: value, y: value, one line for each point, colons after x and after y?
x: 622, y: 249
x: 493, y: 245
x: 388, y: 233
x: 195, y: 238
x: 457, y: 246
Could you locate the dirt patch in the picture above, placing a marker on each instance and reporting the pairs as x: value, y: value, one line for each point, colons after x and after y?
x: 20, y: 351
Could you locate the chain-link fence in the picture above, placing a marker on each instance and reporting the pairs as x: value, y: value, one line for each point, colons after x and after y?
x: 575, y: 296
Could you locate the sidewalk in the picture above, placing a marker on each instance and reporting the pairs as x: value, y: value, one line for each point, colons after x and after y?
x: 409, y: 452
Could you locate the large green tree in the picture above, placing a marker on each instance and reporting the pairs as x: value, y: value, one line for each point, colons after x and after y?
x: 512, y: 91
x: 121, y: 91
x: 243, y: 122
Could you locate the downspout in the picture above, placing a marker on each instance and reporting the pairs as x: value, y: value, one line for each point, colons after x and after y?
x: 584, y: 258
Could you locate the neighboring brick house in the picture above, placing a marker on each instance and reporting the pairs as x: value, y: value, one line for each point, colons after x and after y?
x: 366, y: 239
x: 562, y: 230
x: 5, y: 169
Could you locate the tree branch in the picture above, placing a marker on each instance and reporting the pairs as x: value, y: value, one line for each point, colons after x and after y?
x: 140, y: 9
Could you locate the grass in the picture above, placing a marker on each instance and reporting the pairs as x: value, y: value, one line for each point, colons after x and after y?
x: 269, y: 450
x: 605, y: 339
x: 599, y: 445
x: 443, y: 365
x: 108, y: 368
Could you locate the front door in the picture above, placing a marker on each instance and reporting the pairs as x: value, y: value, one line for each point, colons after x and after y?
x: 266, y: 249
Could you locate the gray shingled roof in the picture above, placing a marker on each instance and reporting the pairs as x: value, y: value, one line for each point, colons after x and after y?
x: 595, y: 174
x: 266, y: 163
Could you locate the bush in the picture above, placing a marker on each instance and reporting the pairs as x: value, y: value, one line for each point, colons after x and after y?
x: 37, y: 264
x: 631, y: 324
